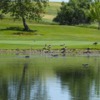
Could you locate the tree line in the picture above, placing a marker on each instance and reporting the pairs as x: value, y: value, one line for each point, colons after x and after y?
x: 77, y: 12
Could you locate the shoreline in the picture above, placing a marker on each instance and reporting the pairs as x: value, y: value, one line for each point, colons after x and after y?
x: 54, y: 53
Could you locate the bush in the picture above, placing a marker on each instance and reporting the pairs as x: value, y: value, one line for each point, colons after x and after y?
x: 72, y: 15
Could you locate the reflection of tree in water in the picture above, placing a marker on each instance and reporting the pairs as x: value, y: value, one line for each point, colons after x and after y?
x: 40, y: 92
x: 40, y: 89
x: 4, y: 91
x: 97, y: 76
x: 28, y: 86
x: 79, y: 81
x: 22, y: 83
x: 10, y: 86
x: 32, y: 90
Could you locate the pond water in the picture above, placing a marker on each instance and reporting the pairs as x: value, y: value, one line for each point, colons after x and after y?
x: 49, y: 78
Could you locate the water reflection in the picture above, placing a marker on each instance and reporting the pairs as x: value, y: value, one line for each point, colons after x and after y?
x: 21, y: 84
x: 50, y: 78
x: 78, y: 81
x: 31, y: 89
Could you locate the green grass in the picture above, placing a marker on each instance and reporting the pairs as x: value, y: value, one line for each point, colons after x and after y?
x: 51, y: 11
x: 81, y: 36
x: 55, y: 35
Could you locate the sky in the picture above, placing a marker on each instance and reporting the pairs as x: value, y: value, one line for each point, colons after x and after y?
x: 58, y: 0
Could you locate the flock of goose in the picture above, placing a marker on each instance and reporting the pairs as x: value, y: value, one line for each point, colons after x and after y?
x: 48, y: 49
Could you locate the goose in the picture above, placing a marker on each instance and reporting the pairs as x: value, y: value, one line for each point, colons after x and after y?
x: 63, y: 50
x: 27, y: 56
x: 54, y: 55
x: 95, y: 43
x: 85, y: 65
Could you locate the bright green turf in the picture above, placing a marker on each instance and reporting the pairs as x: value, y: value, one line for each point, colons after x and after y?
x: 55, y: 35
x: 71, y: 36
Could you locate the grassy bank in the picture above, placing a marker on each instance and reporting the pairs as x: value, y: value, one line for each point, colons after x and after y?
x: 12, y: 36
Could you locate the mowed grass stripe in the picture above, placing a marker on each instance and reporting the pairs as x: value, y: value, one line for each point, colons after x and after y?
x: 47, y: 42
x: 52, y: 32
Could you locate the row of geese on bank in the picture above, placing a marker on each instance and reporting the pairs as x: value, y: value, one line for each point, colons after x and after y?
x: 47, y: 49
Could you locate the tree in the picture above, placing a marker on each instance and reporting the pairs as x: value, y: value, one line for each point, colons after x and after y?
x: 95, y: 11
x: 73, y: 13
x: 65, y: 15
x: 24, y: 9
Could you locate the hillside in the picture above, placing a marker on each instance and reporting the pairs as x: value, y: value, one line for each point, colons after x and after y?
x: 51, y: 11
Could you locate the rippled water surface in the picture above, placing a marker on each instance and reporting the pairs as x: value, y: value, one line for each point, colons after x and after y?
x: 49, y: 78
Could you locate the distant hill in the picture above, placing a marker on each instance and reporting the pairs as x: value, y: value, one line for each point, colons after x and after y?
x: 51, y: 11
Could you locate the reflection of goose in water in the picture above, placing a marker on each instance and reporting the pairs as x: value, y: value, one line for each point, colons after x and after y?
x: 54, y: 55
x: 85, y: 65
x: 27, y: 56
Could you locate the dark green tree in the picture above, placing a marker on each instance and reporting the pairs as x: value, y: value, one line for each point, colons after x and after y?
x: 24, y: 9
x: 73, y: 13
x: 65, y: 14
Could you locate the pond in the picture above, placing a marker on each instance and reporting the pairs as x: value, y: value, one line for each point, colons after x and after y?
x: 49, y: 78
